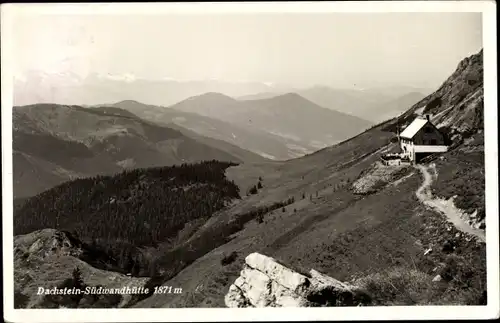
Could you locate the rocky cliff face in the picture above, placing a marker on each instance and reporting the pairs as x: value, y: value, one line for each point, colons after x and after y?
x: 457, y: 105
x: 264, y: 282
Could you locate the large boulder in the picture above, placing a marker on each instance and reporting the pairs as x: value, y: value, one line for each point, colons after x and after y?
x: 264, y: 282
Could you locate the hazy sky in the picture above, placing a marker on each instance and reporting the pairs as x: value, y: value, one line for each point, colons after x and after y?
x: 336, y: 49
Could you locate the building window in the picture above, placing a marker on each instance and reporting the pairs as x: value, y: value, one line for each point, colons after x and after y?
x: 433, y: 141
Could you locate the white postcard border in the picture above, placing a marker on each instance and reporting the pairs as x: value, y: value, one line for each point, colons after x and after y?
x: 9, y: 12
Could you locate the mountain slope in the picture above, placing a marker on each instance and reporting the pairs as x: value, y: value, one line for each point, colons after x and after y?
x: 352, y: 236
x: 261, y: 143
x: 33, y: 175
x: 458, y: 103
x: 290, y: 116
x: 355, y: 102
x: 310, y: 213
x: 393, y: 108
x: 55, y: 143
x: 260, y: 96
x: 222, y: 145
x: 373, y: 104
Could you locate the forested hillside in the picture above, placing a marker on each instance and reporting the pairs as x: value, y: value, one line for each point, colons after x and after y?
x: 135, y: 209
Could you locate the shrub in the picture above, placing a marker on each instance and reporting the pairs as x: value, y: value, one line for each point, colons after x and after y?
x: 77, y: 278
x: 253, y: 190
x: 226, y: 260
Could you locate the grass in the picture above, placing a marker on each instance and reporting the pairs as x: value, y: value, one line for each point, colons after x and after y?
x: 463, y: 271
x: 170, y: 262
x: 380, y: 237
x: 462, y: 174
x: 389, y: 244
x: 399, y: 286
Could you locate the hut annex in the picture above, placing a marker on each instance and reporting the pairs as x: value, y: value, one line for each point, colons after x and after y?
x: 420, y: 139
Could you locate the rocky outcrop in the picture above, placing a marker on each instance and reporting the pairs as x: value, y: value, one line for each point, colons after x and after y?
x: 377, y: 177
x: 264, y: 282
x: 47, y: 258
x: 457, y: 106
x: 44, y: 243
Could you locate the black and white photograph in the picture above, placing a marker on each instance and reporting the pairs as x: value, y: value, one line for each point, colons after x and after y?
x: 249, y: 161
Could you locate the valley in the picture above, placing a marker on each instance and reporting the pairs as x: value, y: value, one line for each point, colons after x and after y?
x: 277, y: 128
x: 55, y: 143
x: 201, y: 207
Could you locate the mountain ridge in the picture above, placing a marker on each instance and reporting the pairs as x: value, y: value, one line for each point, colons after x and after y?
x: 302, y: 122
x: 100, y: 141
x: 308, y: 213
x: 266, y: 145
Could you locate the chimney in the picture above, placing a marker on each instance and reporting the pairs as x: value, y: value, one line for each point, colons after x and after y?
x: 428, y: 117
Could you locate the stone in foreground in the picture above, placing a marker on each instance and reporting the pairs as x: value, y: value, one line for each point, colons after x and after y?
x: 264, y: 282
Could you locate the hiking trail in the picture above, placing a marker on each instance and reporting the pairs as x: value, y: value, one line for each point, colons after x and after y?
x: 446, y: 207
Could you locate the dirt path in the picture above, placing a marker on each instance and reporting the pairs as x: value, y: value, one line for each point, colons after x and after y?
x: 446, y: 207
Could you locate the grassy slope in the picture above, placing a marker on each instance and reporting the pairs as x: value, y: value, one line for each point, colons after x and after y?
x: 49, y: 145
x: 342, y: 234
x: 33, y: 175
x: 461, y: 173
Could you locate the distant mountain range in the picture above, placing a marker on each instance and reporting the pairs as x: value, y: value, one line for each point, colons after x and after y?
x: 281, y: 127
x: 262, y: 143
x: 375, y: 104
x: 55, y: 143
x: 393, y: 107
x: 234, y: 121
x: 193, y: 226
x: 66, y: 88
x: 303, y: 123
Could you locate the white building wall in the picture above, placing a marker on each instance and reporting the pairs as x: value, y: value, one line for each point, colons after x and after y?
x: 430, y: 149
x: 407, y: 148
